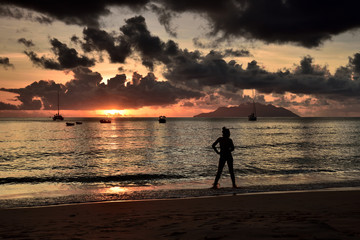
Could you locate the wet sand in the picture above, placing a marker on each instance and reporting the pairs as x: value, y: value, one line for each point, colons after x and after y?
x: 292, y: 215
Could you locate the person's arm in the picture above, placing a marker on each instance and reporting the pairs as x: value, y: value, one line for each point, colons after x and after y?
x: 214, y: 146
x: 231, y: 145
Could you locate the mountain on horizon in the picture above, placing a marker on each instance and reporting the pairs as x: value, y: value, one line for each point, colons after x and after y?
x: 243, y: 110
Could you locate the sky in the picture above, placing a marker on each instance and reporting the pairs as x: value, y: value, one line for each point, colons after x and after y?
x: 178, y: 58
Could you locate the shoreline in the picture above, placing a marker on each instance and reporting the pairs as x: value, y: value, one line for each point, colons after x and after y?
x: 324, y: 214
x: 339, y: 189
x: 119, y: 193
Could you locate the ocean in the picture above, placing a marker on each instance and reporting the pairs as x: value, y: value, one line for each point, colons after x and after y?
x: 43, y: 162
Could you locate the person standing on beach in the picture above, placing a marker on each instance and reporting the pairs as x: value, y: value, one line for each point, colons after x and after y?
x: 226, y: 147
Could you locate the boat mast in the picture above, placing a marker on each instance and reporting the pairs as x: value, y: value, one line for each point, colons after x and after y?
x: 58, y: 102
x: 254, y: 108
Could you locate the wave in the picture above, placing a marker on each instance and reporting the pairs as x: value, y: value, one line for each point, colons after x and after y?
x: 254, y: 170
x: 88, y: 179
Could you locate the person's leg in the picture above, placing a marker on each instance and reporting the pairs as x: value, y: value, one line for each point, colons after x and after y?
x: 231, y: 170
x: 219, y: 171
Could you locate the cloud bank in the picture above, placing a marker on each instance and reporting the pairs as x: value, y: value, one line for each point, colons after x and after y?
x: 87, y: 92
x: 196, y: 79
x: 301, y: 22
x: 192, y: 77
x: 66, y: 58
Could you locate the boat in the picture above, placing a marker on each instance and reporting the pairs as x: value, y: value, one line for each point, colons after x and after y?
x: 162, y: 119
x: 70, y: 124
x: 57, y: 116
x: 78, y: 122
x: 252, y: 116
x: 105, y: 121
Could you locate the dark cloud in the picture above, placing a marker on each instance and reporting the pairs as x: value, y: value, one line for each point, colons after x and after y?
x: 27, y: 43
x: 87, y: 92
x: 5, y: 62
x: 75, y: 39
x: 150, y: 47
x: 195, y: 70
x: 212, y: 71
x: 66, y: 58
x: 149, y: 92
x: 43, y: 61
x: 165, y: 16
x: 36, y: 96
x: 134, y: 36
x: 136, y: 78
x: 236, y: 53
x: 6, y: 106
x: 307, y: 67
x: 43, y: 19
x: 306, y: 23
x: 197, y: 43
x: 229, y: 53
x: 302, y: 22
x: 8, y: 11
x: 229, y: 96
x: 117, y: 82
x: 72, y: 12
x: 188, y: 104
x: 18, y: 13
x: 354, y: 63
x: 99, y: 40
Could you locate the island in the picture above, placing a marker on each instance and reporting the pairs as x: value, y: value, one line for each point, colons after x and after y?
x: 243, y: 110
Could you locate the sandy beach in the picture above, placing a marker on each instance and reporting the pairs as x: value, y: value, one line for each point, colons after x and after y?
x: 292, y: 215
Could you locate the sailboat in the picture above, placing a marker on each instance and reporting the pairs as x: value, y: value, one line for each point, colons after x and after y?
x: 252, y: 116
x: 57, y: 116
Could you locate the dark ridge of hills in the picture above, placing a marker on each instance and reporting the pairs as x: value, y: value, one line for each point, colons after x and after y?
x: 245, y: 109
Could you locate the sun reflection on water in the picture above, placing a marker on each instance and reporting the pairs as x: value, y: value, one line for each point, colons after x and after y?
x: 124, y: 190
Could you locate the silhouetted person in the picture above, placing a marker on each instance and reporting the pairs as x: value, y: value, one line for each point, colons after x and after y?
x: 226, y: 147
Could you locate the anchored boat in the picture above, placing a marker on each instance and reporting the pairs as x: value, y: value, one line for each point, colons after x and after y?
x: 252, y: 116
x: 57, y: 116
x: 162, y: 119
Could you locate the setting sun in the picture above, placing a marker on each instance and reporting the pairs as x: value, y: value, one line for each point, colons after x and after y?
x: 113, y: 112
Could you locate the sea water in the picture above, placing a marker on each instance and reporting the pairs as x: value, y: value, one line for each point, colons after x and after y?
x: 44, y: 162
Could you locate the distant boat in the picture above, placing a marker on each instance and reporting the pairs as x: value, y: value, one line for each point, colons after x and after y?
x: 57, y: 116
x: 70, y: 124
x: 105, y: 121
x: 162, y: 119
x: 252, y: 116
x: 78, y: 122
